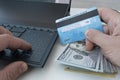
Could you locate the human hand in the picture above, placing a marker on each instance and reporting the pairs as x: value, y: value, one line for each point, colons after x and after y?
x: 109, y: 42
x: 15, y: 69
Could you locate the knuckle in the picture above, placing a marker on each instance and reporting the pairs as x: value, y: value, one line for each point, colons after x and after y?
x: 6, y: 75
x: 6, y: 36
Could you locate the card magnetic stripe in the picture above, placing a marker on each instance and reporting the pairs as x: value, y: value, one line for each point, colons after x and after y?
x: 78, y: 18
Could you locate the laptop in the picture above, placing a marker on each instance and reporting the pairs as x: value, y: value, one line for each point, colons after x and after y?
x: 33, y: 21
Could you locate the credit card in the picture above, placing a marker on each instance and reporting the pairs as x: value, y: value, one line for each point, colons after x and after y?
x: 72, y: 28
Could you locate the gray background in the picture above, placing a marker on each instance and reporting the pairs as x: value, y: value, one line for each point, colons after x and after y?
x: 115, y: 4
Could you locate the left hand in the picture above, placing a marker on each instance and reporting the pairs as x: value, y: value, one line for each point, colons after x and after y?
x: 15, y: 69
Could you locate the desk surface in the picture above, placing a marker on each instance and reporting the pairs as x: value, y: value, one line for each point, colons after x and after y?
x: 56, y: 71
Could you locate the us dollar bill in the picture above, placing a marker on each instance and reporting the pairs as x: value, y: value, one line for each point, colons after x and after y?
x: 75, y: 55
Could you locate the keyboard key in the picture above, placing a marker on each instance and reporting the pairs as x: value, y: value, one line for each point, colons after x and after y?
x: 21, y: 54
x: 8, y: 28
x: 26, y: 54
x: 18, y: 29
x: 8, y: 53
x: 17, y: 34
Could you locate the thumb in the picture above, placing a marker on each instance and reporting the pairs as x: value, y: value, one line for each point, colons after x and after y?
x: 13, y: 71
x: 97, y: 37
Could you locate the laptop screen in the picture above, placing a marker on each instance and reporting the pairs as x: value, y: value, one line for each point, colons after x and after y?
x: 32, y: 12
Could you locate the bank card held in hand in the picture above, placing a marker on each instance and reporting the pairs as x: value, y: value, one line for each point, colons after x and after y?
x: 72, y: 28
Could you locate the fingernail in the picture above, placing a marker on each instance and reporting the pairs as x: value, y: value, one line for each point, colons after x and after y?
x: 24, y: 67
x: 87, y: 33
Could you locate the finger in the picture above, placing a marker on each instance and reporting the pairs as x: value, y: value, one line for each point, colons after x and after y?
x: 98, y: 38
x: 89, y: 45
x: 112, y: 18
x: 13, y: 71
x: 106, y: 29
x: 8, y: 41
x: 108, y: 14
x: 4, y: 31
x: 116, y: 31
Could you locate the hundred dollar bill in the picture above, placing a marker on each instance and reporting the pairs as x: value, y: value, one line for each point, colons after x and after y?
x: 75, y: 55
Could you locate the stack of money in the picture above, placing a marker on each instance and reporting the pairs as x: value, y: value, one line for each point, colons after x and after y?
x: 75, y: 55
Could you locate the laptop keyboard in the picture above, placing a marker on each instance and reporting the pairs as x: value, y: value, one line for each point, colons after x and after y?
x: 18, y: 30
x: 41, y: 39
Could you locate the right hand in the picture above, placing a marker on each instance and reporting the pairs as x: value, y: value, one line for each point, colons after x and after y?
x: 110, y: 40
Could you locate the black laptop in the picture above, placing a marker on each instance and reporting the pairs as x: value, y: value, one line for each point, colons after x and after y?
x: 33, y: 21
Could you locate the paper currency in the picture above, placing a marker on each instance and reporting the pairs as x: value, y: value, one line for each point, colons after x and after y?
x: 75, y: 55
